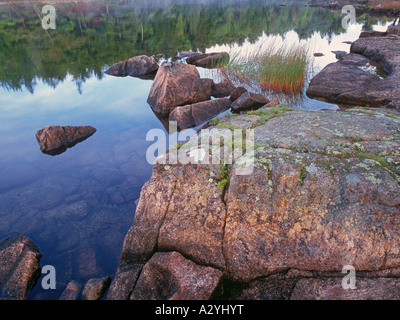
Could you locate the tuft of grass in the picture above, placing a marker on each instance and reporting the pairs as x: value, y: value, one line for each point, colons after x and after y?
x: 226, y: 125
x: 278, y: 68
x: 223, y: 179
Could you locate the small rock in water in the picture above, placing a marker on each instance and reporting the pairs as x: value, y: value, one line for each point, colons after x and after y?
x: 95, y: 288
x: 248, y: 101
x: 318, y: 54
x: 55, y: 140
x: 187, y: 54
x: 209, y: 60
x: 222, y: 89
x: 71, y: 292
x: 135, y: 66
x: 235, y: 94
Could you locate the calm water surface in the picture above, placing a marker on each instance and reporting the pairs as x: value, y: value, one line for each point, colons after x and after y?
x: 78, y: 206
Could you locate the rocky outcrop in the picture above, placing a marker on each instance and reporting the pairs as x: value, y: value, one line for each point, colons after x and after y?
x: 19, y: 267
x: 195, y: 114
x: 54, y: 140
x: 368, y: 76
x: 209, y: 60
x: 136, y: 66
x: 177, y: 84
x: 321, y: 192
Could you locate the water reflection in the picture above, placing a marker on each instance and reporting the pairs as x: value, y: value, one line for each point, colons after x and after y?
x: 92, y: 34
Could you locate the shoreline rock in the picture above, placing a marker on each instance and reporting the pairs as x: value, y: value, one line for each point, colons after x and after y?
x: 368, y: 76
x: 19, y: 267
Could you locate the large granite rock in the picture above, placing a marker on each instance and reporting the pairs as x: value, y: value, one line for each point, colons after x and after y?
x: 136, y: 66
x: 19, y: 267
x: 54, y: 140
x: 323, y: 193
x: 368, y: 76
x: 177, y: 84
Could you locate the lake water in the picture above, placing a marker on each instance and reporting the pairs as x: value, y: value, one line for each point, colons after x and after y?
x: 78, y: 206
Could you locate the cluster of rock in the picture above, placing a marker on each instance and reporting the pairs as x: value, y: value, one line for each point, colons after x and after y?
x: 368, y: 76
x: 94, y: 289
x: 20, y: 269
x: 143, y: 65
x: 180, y: 94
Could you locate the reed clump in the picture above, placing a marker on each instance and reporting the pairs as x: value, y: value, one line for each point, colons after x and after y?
x: 278, y: 68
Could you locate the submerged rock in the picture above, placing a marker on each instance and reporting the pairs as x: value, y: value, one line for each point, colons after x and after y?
x: 177, y: 84
x: 368, y: 76
x: 19, y: 267
x: 320, y: 193
x: 55, y: 140
x: 135, y: 66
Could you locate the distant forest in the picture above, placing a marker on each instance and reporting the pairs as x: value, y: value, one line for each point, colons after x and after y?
x: 92, y: 35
